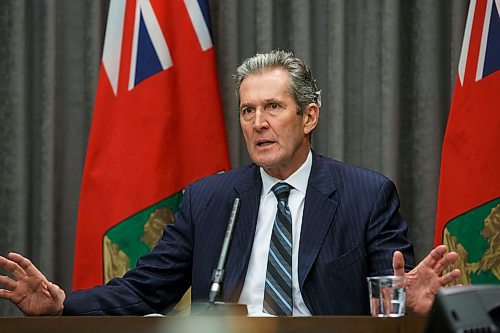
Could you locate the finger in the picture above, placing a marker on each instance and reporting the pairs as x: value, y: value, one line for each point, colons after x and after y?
x: 25, y: 264
x: 449, y: 277
x: 398, y: 263
x: 434, y: 256
x: 4, y: 262
x: 7, y: 282
x: 445, y: 262
x: 7, y: 294
x: 12, y: 267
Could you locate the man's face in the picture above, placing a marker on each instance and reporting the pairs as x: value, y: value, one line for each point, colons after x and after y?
x: 275, y: 135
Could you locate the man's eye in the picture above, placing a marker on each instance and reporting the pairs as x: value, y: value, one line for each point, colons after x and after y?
x: 246, y: 111
x: 272, y: 106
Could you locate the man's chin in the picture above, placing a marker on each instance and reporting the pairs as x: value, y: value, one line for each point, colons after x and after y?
x: 264, y: 161
x: 270, y: 167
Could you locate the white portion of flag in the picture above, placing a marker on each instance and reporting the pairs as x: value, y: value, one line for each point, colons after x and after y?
x: 199, y: 24
x: 484, y: 40
x: 155, y: 34
x: 113, y: 42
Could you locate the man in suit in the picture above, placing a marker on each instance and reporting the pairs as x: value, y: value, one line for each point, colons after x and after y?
x: 309, y: 232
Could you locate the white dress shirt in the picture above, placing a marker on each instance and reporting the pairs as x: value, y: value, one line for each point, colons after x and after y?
x: 252, y: 293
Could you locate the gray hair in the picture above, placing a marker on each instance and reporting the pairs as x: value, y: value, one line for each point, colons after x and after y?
x: 302, y: 84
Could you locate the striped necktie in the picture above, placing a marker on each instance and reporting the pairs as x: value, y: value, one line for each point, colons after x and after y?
x: 278, y: 291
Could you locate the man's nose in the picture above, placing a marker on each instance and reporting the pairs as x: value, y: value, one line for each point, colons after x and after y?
x: 260, y: 120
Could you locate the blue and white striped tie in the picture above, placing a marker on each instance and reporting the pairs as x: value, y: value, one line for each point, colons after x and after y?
x: 278, y: 291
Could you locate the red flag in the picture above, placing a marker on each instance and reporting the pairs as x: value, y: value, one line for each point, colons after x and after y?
x: 468, y: 215
x: 157, y: 126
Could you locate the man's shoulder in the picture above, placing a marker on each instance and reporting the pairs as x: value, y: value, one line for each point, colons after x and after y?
x: 225, y: 180
x: 335, y: 164
x: 350, y: 182
x: 342, y: 171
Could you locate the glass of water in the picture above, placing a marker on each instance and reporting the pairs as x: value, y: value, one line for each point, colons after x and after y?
x: 387, y: 295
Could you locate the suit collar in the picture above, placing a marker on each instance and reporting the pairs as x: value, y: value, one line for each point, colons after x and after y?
x: 321, y: 176
x: 248, y: 189
x: 319, y: 211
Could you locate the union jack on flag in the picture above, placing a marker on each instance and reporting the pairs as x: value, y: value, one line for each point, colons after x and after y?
x: 150, y: 52
x: 489, y: 46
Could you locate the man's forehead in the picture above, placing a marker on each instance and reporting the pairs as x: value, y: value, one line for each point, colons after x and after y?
x: 266, y: 83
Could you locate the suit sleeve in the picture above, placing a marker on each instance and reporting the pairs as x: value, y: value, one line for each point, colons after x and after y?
x: 387, y: 232
x: 156, y: 284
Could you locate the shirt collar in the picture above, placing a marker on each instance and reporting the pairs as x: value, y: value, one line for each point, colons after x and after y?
x: 298, y: 180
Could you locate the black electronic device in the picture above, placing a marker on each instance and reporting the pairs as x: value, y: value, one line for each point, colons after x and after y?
x: 467, y: 309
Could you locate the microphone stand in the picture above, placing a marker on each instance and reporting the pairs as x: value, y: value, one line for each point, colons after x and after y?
x: 213, y: 307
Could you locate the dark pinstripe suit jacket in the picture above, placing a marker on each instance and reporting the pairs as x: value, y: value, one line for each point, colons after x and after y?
x: 351, y: 227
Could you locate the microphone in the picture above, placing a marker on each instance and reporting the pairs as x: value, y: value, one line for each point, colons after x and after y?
x: 213, y: 307
x: 218, y: 274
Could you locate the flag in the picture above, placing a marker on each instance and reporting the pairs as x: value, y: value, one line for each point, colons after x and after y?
x: 157, y: 126
x: 468, y: 214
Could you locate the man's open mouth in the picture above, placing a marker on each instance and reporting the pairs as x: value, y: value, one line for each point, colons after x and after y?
x: 264, y: 143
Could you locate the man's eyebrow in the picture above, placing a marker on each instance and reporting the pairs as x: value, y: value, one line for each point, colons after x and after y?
x: 244, y: 105
x: 266, y: 101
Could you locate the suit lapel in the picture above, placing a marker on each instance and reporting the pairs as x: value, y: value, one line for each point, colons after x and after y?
x: 248, y: 189
x: 319, y: 211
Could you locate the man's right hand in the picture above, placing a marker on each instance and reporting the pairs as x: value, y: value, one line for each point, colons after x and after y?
x: 29, y: 289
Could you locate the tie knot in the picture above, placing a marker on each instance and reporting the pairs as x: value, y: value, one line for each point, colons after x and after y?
x: 281, y: 191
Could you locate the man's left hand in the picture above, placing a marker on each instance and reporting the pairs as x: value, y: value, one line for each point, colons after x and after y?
x: 424, y: 281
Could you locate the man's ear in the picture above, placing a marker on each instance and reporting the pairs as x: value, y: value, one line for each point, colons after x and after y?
x: 310, y: 117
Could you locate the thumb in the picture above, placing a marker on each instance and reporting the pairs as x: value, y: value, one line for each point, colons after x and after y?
x: 58, y: 296
x: 56, y: 292
x: 398, y: 263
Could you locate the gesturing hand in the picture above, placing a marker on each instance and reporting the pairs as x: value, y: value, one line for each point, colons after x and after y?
x: 424, y: 281
x: 29, y: 289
